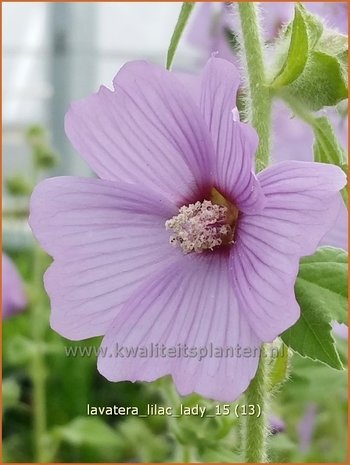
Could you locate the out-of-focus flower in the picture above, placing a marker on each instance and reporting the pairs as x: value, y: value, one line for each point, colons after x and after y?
x: 340, y: 329
x: 306, y: 427
x: 296, y: 137
x: 276, y: 424
x: 213, y: 23
x: 173, y: 169
x: 277, y: 14
x: 274, y: 16
x: 293, y: 139
x: 210, y: 30
x: 13, y: 295
x: 338, y: 235
x: 335, y: 14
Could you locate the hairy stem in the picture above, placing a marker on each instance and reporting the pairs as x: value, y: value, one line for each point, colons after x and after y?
x: 258, y: 106
x: 38, y: 328
x: 256, y: 430
x: 259, y: 98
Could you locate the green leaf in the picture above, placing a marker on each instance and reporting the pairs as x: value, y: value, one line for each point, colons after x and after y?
x: 88, y: 431
x: 313, y: 381
x: 321, y: 291
x: 141, y: 440
x: 311, y: 335
x: 313, y: 24
x: 221, y: 453
x: 297, y: 53
x: 327, y: 274
x: 18, y: 186
x: 322, y: 83
x: 314, y: 70
x: 185, y: 12
x: 327, y: 148
x: 333, y: 43
x: 11, y: 392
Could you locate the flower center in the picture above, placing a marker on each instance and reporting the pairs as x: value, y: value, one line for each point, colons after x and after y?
x: 204, y: 225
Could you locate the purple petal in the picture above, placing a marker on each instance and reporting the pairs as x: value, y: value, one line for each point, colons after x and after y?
x: 335, y: 14
x: 208, y: 31
x: 302, y: 205
x: 200, y: 33
x: 191, y: 303
x: 338, y: 235
x: 276, y: 424
x: 235, y: 142
x: 274, y: 16
x: 340, y: 329
x: 192, y: 83
x: 148, y: 131
x: 292, y: 138
x: 13, y: 296
x: 106, y: 238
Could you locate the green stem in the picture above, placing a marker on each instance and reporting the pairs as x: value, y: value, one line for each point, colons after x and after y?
x: 187, y: 455
x: 259, y: 97
x: 38, y: 364
x: 256, y: 430
x: 38, y: 328
x: 184, y: 15
x: 259, y: 113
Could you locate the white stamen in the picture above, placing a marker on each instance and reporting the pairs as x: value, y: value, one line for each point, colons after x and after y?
x: 200, y: 226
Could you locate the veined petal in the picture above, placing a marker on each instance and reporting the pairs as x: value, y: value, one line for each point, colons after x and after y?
x: 235, y: 142
x: 106, y: 238
x: 302, y: 205
x: 192, y: 304
x: 148, y: 131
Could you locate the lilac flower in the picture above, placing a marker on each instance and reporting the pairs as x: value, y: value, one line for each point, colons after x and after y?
x: 209, y: 28
x: 13, y: 295
x: 306, y: 427
x: 178, y: 243
x: 276, y: 424
x: 296, y: 136
x: 335, y: 14
x: 276, y: 14
x: 340, y: 329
